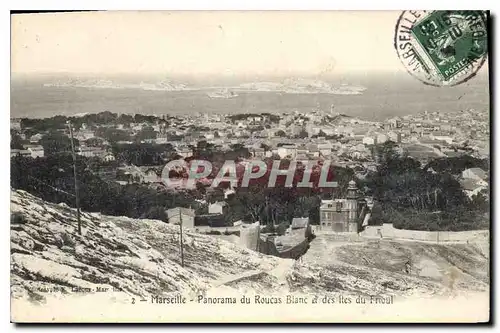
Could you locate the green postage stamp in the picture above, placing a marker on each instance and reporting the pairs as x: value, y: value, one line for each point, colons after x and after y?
x: 442, y: 48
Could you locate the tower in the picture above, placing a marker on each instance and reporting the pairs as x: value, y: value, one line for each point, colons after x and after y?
x: 352, y: 207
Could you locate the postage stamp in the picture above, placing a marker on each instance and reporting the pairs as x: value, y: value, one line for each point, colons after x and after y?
x: 442, y: 48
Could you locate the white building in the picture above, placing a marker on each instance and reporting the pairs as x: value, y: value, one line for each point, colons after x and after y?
x: 381, y: 138
x: 109, y: 157
x: 36, y: 151
x: 368, y: 140
x: 287, y: 150
x: 476, y: 174
x: 219, y: 207
x: 36, y: 138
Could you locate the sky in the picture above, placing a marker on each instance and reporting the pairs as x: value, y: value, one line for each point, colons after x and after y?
x: 208, y: 43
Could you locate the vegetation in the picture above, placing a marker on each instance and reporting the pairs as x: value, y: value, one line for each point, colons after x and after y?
x: 51, y: 178
x: 411, y: 197
x: 56, y: 143
x: 142, y: 154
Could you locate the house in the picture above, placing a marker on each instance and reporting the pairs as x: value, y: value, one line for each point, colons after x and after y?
x: 185, y: 152
x: 325, y: 149
x: 36, y: 138
x: 368, y: 140
x: 90, y: 151
x: 219, y: 207
x: 36, y: 151
x: 20, y: 152
x: 228, y: 193
x: 258, y: 152
x: 83, y: 135
x: 343, y: 215
x: 108, y: 157
x: 381, y: 138
x: 287, y: 150
x: 394, y: 136
x: 476, y: 174
x: 442, y: 136
x: 394, y: 122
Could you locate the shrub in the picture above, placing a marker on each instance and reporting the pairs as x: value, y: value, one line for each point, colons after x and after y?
x: 18, y: 218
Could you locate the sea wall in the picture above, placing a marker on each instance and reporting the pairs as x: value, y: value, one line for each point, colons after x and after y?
x: 387, y: 231
x: 337, y: 236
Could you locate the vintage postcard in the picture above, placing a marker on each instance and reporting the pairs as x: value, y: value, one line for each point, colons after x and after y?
x: 250, y: 166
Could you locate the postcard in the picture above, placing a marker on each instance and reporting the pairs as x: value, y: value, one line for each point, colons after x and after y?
x: 250, y: 167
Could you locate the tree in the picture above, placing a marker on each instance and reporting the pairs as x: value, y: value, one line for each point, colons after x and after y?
x: 15, y: 141
x: 280, y: 133
x: 303, y: 134
x: 94, y: 142
x: 412, y: 198
x: 112, y: 134
x: 265, y: 147
x: 146, y: 133
x: 56, y: 142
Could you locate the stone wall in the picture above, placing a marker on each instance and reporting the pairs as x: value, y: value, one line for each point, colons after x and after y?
x: 387, y: 231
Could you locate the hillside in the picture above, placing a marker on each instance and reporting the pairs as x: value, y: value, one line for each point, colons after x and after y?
x: 141, y: 258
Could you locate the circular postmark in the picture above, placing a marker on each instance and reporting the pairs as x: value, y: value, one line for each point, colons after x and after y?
x: 442, y: 48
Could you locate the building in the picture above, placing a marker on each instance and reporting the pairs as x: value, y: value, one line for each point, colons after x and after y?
x: 15, y: 124
x: 258, y: 152
x: 83, y: 135
x: 36, y: 138
x: 441, y: 137
x: 381, y: 138
x: 90, y: 151
x: 476, y: 174
x: 185, y: 152
x: 368, y: 140
x: 20, y: 152
x: 36, y: 151
x: 219, y: 207
x: 287, y: 150
x: 109, y: 157
x: 343, y: 215
x: 325, y: 149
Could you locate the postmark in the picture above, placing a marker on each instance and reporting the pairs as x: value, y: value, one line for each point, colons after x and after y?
x: 442, y: 48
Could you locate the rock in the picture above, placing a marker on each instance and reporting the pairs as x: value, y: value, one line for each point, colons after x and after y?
x: 63, y: 205
x: 67, y: 239
x: 17, y: 227
x: 28, y: 244
x: 39, y: 247
x: 58, y: 241
x: 14, y: 248
x: 68, y: 249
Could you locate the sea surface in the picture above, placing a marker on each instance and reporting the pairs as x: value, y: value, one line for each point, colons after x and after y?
x: 385, y: 96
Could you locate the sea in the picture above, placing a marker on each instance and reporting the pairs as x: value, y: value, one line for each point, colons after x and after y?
x: 386, y: 95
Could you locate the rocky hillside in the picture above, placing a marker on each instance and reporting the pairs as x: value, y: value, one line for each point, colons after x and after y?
x: 141, y: 258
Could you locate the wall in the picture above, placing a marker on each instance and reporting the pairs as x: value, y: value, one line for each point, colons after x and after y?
x: 250, y: 236
x: 387, y: 231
